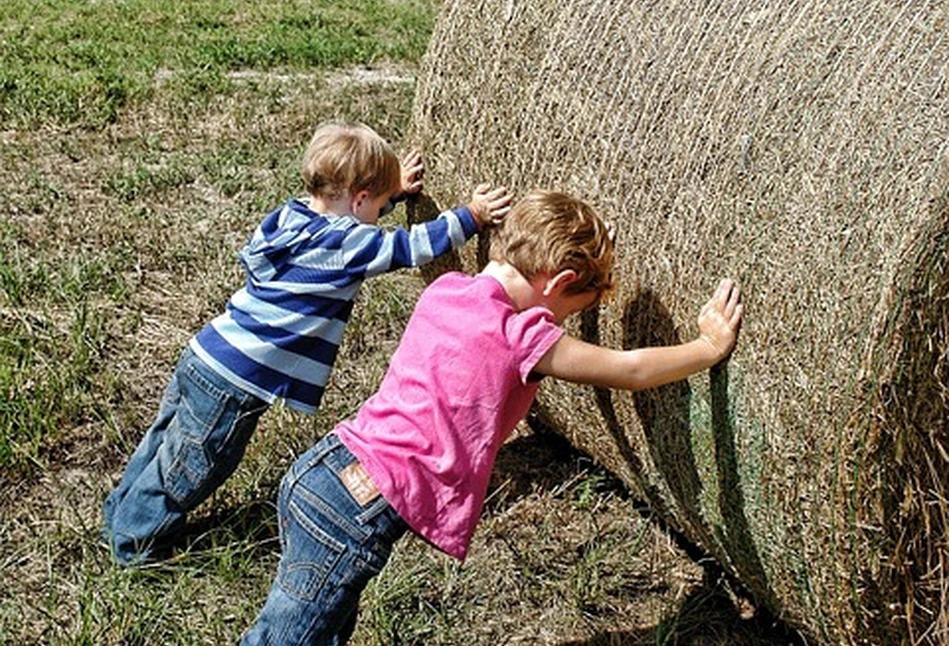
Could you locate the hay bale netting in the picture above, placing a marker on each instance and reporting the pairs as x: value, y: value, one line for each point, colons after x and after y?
x: 801, y: 148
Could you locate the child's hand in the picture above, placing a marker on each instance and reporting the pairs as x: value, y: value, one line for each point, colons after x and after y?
x: 412, y: 171
x: 489, y: 206
x: 720, y: 319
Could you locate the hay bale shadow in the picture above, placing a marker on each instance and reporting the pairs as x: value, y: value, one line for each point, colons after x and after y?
x: 716, y: 612
x: 665, y: 414
x: 708, y: 616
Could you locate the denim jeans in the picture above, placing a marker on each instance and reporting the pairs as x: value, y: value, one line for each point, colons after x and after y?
x: 332, y: 546
x: 195, y: 443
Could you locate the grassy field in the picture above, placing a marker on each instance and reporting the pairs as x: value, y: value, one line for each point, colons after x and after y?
x: 141, y: 142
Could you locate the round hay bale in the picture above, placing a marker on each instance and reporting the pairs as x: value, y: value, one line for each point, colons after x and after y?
x: 801, y: 148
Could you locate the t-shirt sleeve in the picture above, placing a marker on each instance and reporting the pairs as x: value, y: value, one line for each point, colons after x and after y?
x: 531, y: 334
x: 376, y: 251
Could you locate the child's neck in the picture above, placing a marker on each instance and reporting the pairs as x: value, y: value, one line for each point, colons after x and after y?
x: 522, y: 292
x: 338, y: 206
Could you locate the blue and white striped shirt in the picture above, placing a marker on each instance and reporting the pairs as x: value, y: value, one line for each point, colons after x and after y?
x: 279, y: 335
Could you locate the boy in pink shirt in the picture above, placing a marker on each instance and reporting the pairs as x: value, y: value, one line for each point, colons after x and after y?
x: 419, y: 452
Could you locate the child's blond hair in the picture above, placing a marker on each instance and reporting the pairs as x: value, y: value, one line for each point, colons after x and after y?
x: 349, y: 157
x: 548, y: 232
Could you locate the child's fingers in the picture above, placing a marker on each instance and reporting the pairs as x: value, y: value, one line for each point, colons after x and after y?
x: 413, y: 171
x: 498, y: 214
x: 503, y: 200
x: 737, y: 315
x: 734, y: 302
x: 731, y: 298
x: 723, y: 301
x: 720, y: 298
x: 497, y: 193
x: 717, y: 300
x: 721, y: 316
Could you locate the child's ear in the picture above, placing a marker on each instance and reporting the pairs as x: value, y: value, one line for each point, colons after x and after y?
x: 559, y: 281
x: 359, y: 197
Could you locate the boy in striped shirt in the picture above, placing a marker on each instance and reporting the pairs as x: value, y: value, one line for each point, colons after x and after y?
x: 279, y: 334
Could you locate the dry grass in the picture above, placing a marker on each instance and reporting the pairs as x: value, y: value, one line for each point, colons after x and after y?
x: 801, y: 148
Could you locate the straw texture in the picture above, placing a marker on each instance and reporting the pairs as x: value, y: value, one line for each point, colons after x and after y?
x: 801, y: 148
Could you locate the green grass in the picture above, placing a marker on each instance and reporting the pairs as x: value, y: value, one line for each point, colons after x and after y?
x: 111, y: 148
x: 81, y: 63
x: 52, y: 341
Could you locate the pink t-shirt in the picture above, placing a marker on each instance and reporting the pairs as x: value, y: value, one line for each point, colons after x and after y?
x: 456, y: 387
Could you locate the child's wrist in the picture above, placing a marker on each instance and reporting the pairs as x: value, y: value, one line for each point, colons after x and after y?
x: 476, y: 216
x: 712, y: 351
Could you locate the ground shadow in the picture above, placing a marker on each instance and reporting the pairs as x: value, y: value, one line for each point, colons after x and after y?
x: 534, y: 462
x: 716, y: 612
x: 665, y: 414
x: 709, y: 616
x: 253, y: 523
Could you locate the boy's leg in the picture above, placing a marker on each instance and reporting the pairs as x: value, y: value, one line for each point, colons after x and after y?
x: 332, y: 546
x: 201, y: 444
x: 143, y: 454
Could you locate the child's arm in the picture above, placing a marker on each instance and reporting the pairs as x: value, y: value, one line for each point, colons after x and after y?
x: 581, y: 362
x: 382, y: 251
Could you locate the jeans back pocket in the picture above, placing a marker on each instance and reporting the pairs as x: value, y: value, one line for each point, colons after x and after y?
x: 310, y: 556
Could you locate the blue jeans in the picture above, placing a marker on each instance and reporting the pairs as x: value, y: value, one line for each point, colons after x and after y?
x: 332, y: 546
x: 195, y: 443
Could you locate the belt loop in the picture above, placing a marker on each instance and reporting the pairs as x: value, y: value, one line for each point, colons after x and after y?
x: 324, y: 446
